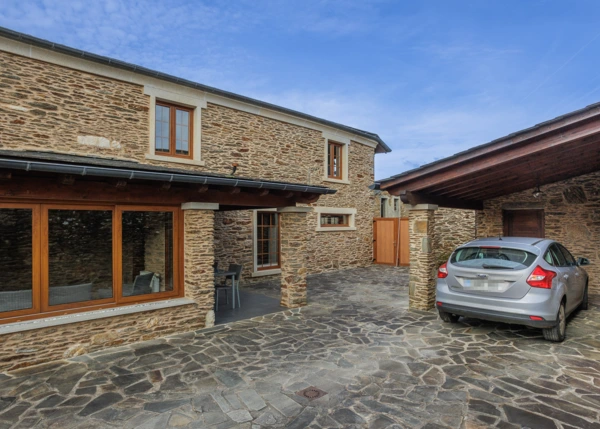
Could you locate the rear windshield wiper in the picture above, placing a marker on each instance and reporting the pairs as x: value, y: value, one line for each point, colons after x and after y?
x: 497, y: 267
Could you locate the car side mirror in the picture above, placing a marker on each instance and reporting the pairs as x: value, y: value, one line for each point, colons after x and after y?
x: 583, y: 261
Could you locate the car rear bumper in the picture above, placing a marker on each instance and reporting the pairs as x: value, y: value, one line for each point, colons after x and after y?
x: 494, y: 316
x: 538, y: 302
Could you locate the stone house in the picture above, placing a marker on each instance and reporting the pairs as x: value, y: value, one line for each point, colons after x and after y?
x: 120, y: 187
x: 543, y: 181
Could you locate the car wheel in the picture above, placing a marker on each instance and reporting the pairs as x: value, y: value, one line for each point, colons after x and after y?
x: 449, y: 317
x: 558, y: 332
x: 585, y: 302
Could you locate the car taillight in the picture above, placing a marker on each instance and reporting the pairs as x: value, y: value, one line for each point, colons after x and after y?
x: 443, y: 271
x: 541, y: 278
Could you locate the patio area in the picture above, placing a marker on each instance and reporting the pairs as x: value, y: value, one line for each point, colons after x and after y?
x: 379, y: 365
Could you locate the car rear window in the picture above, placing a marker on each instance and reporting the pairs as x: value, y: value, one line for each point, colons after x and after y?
x: 492, y: 258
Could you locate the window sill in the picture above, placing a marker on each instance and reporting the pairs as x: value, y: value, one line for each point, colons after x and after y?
x: 29, y: 325
x: 154, y: 157
x: 263, y: 273
x: 342, y: 181
x: 336, y: 228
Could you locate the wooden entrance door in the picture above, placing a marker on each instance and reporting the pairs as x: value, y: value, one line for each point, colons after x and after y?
x: 390, y: 241
x: 524, y: 223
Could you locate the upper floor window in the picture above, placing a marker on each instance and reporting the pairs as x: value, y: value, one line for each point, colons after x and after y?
x: 173, y: 130
x: 334, y: 160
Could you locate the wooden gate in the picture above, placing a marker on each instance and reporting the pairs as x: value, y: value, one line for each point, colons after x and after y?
x: 390, y: 241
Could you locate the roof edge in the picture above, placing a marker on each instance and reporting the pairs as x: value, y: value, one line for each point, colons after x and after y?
x: 382, y: 147
x: 539, y: 126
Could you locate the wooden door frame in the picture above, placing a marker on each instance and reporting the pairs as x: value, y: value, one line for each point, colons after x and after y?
x: 507, y: 214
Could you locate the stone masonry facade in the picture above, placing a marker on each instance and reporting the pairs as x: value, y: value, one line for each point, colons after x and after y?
x: 571, y: 217
x: 52, y: 108
x: 41, y: 345
x: 64, y: 109
x: 423, y: 266
x: 293, y: 259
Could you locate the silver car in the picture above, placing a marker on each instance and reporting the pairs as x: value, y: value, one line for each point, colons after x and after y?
x: 526, y: 281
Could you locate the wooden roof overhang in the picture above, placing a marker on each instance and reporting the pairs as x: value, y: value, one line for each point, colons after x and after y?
x: 556, y: 150
x: 68, y: 178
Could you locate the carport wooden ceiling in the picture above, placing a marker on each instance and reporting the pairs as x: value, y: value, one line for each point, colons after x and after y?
x: 556, y: 150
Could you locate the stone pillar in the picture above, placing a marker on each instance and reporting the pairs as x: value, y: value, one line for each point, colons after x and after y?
x: 423, y: 269
x: 294, y: 255
x: 199, y: 257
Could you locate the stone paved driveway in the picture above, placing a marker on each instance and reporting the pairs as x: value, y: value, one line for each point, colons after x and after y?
x: 380, y: 364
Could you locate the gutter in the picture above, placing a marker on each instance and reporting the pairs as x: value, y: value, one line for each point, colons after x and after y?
x: 45, y: 44
x: 129, y: 174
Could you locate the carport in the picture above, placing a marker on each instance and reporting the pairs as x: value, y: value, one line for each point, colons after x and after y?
x: 542, y: 181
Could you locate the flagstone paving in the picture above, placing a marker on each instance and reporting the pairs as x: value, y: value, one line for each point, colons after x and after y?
x: 381, y: 365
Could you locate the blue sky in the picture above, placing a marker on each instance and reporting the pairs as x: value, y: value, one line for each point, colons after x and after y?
x: 432, y: 78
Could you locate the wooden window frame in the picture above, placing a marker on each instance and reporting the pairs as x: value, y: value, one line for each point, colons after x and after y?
x: 35, y: 267
x: 259, y: 240
x: 40, y: 266
x: 173, y: 129
x: 331, y: 146
x: 335, y: 225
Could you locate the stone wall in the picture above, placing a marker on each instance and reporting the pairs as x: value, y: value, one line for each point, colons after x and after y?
x: 46, y: 344
x: 572, y: 217
x: 69, y: 111
x: 423, y: 264
x: 294, y: 257
x: 453, y: 227
x: 327, y: 250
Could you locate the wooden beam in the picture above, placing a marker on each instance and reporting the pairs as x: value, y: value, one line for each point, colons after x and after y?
x: 202, y: 189
x: 165, y: 186
x: 570, y: 157
x: 67, y: 179
x: 5, y: 175
x: 234, y: 191
x: 263, y: 192
x: 121, y: 184
x: 559, y: 132
x: 40, y: 188
x: 415, y: 198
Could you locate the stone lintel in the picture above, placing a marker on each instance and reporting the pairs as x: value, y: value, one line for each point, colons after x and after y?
x: 422, y: 207
x: 200, y: 206
x: 295, y: 209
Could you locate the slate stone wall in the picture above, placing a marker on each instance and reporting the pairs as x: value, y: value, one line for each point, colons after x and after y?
x: 572, y: 217
x: 294, y: 257
x: 453, y: 227
x: 423, y: 266
x: 52, y: 343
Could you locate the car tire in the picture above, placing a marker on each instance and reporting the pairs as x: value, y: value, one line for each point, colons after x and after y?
x: 557, y: 333
x: 585, y: 303
x: 449, y: 317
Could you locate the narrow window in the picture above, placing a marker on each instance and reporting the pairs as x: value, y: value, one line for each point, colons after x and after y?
x: 173, y: 130
x: 334, y: 220
x: 334, y: 160
x: 267, y: 241
x: 396, y: 204
x: 383, y: 205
